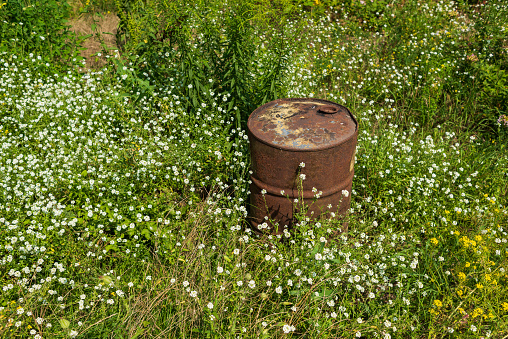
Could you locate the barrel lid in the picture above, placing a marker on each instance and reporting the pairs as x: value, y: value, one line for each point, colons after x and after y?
x: 302, y: 124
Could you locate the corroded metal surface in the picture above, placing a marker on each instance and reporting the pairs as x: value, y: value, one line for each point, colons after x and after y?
x: 310, y: 124
x: 288, y: 132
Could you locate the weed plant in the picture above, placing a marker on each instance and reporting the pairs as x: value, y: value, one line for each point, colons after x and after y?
x: 236, y: 48
x: 123, y: 199
x: 39, y: 27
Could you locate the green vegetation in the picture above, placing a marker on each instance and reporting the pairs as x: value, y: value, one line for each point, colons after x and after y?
x: 124, y: 190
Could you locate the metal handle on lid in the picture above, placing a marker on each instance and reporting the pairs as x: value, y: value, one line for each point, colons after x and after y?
x: 328, y: 109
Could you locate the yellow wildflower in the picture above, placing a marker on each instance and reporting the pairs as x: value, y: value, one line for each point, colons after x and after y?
x: 477, y: 312
x: 438, y: 303
x: 505, y: 306
x: 434, y: 241
x: 462, y: 276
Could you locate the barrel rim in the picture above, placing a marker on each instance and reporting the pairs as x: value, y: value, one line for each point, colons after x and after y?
x: 294, y: 149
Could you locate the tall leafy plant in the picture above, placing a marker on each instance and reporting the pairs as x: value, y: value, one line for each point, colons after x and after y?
x: 233, y: 69
x: 209, y: 47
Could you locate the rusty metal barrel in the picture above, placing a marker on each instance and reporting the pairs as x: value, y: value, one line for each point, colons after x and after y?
x: 300, y: 147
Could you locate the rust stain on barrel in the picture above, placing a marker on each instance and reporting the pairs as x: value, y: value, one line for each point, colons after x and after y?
x: 286, y: 132
x: 300, y: 124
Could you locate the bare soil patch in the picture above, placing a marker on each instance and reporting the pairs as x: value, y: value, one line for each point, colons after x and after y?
x: 105, y: 31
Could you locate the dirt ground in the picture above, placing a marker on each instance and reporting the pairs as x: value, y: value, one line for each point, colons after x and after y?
x: 107, y: 26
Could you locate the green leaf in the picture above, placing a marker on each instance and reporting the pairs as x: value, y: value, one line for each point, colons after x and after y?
x: 111, y: 247
x: 84, y: 173
x: 326, y: 292
x: 106, y: 279
x: 138, y: 333
x: 64, y: 323
x: 146, y: 233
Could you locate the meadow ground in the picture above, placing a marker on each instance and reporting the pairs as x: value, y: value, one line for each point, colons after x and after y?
x: 124, y: 189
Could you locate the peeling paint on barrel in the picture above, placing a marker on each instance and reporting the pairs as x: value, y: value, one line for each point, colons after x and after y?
x: 287, y: 132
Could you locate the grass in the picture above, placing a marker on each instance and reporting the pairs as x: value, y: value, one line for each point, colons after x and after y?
x: 124, y: 215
